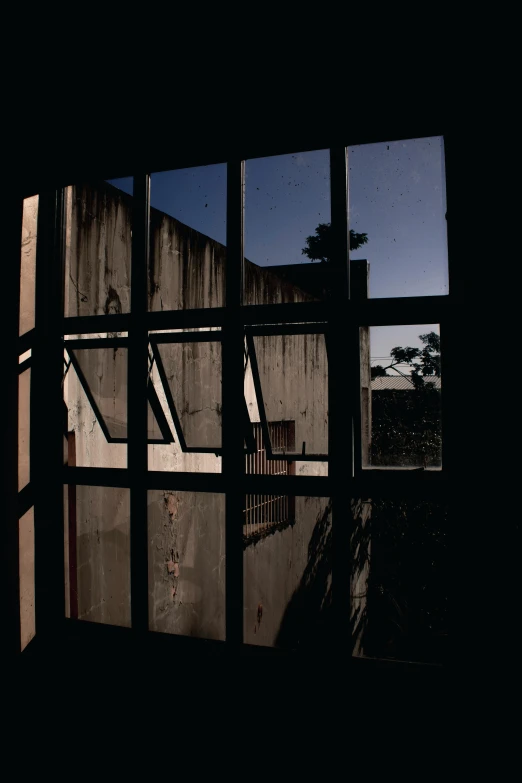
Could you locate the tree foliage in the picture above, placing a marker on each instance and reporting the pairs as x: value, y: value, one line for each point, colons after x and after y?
x: 378, y: 371
x: 319, y: 245
x: 424, y: 362
x: 406, y: 427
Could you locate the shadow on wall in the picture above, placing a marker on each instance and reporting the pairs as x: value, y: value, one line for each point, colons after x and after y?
x: 307, y: 623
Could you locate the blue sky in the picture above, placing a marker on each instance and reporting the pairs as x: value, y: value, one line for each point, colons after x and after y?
x: 396, y: 196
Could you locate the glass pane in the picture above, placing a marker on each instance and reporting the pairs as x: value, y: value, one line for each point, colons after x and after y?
x: 98, y: 249
x: 405, y: 581
x: 188, y: 238
x: 95, y: 392
x: 28, y: 263
x: 105, y: 371
x: 405, y: 405
x: 287, y: 199
x: 186, y: 378
x: 99, y: 542
x: 398, y: 199
x: 26, y: 565
x: 286, y: 391
x: 187, y: 563
x: 287, y: 571
x: 24, y: 429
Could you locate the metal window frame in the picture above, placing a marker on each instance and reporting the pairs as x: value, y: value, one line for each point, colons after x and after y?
x: 274, y: 330
x: 346, y: 478
x: 106, y: 343
x: 156, y: 339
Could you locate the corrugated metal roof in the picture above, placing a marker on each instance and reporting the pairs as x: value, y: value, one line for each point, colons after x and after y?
x: 398, y: 382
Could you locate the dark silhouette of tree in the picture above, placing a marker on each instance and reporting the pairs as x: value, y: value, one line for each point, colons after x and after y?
x: 319, y: 246
x: 424, y: 362
x: 378, y: 371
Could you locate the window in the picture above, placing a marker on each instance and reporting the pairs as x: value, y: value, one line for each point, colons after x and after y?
x: 206, y: 426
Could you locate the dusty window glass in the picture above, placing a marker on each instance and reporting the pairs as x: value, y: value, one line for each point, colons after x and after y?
x: 286, y: 380
x: 188, y: 238
x: 187, y: 563
x: 98, y: 248
x: 287, y: 201
x: 26, y: 577
x: 97, y: 538
x: 401, y: 597
x: 28, y: 263
x: 24, y: 429
x: 95, y: 394
x: 287, y: 575
x: 403, y: 409
x: 186, y: 377
x: 397, y: 198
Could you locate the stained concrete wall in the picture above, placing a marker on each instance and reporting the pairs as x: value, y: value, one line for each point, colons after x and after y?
x: 287, y: 579
x: 187, y: 563
x: 26, y: 322
x: 287, y: 574
x: 98, y: 250
x: 103, y: 552
x: 28, y: 263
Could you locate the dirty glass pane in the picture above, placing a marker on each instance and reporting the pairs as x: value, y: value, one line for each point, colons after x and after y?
x: 188, y: 238
x: 287, y: 199
x: 99, y: 554
x: 187, y: 563
x: 95, y: 392
x: 403, y: 412
x: 286, y: 391
x: 28, y: 263
x: 287, y: 572
x: 26, y: 566
x: 24, y: 429
x: 98, y: 248
x: 403, y: 587
x: 398, y: 199
x: 186, y: 377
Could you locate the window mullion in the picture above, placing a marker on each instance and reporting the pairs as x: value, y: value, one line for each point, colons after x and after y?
x: 233, y: 464
x: 342, y: 354
x: 137, y: 403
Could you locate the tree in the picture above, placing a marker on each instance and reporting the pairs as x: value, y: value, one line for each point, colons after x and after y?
x: 424, y: 362
x: 319, y: 246
x: 406, y: 427
x: 378, y: 372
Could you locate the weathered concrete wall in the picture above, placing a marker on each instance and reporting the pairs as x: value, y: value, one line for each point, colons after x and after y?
x: 98, y: 243
x: 24, y: 427
x: 103, y: 550
x: 26, y: 322
x: 106, y: 372
x: 187, y: 563
x: 293, y: 371
x: 193, y: 371
x: 287, y: 574
x: 26, y: 566
x: 28, y: 263
x: 287, y: 579
x: 187, y: 269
